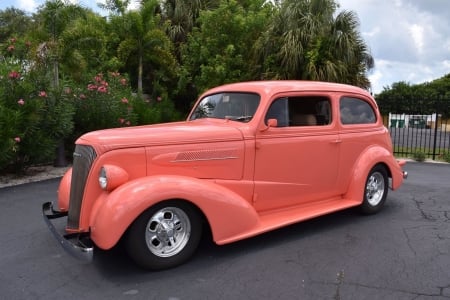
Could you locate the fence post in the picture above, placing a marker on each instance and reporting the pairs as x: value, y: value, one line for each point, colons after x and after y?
x: 435, y: 136
x: 437, y: 106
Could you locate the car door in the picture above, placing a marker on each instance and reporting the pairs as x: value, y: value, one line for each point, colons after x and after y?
x: 297, y: 161
x: 359, y: 127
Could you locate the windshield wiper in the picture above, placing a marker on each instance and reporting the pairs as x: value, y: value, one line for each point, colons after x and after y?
x: 240, y: 118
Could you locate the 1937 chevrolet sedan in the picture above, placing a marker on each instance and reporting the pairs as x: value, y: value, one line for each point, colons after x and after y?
x: 251, y: 157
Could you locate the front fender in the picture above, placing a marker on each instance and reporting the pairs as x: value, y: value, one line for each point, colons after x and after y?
x: 365, y: 162
x: 228, y: 214
x: 64, y: 191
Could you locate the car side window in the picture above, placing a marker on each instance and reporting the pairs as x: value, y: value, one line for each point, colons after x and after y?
x: 279, y: 110
x: 300, y: 111
x: 356, y: 111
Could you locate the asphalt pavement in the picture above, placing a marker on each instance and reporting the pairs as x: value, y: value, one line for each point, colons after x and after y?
x: 401, y: 253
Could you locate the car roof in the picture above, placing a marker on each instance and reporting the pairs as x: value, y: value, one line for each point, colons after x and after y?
x: 277, y: 86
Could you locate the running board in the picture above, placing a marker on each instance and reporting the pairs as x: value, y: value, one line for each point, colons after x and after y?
x: 271, y: 220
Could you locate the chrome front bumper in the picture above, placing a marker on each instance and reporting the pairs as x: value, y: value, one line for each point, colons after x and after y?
x: 77, y: 244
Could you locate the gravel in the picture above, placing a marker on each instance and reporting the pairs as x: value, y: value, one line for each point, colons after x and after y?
x: 33, y: 174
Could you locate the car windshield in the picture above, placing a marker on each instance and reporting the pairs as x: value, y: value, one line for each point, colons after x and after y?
x: 232, y: 106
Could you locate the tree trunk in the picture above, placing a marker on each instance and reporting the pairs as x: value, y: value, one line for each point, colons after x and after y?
x: 140, y: 71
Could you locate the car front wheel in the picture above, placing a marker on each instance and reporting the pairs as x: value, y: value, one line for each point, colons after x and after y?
x: 375, y: 191
x: 164, y: 236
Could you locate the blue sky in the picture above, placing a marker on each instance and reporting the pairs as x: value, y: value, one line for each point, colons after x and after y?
x: 409, y: 39
x: 31, y: 5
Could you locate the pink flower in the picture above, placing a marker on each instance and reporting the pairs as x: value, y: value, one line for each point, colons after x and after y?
x: 123, y: 81
x: 14, y: 75
x: 82, y: 96
x: 11, y: 48
x: 159, y: 99
x: 67, y: 90
x: 121, y: 120
x: 92, y: 87
x: 42, y: 94
x: 124, y: 100
x: 115, y: 74
x: 128, y: 123
x: 102, y: 89
x: 13, y: 40
x: 17, y: 139
x: 98, y: 78
x: 21, y: 102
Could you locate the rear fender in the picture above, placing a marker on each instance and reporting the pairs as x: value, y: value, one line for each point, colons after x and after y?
x: 366, y: 161
x: 228, y: 214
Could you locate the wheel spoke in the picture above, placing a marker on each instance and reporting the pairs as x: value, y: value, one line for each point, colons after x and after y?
x: 375, y: 188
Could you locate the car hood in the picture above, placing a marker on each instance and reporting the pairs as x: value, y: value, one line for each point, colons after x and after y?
x: 200, y: 131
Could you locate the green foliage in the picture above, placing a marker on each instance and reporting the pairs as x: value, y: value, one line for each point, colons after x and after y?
x: 425, y: 98
x: 154, y: 110
x: 13, y: 22
x: 446, y: 157
x: 419, y: 156
x: 221, y: 49
x: 9, y: 123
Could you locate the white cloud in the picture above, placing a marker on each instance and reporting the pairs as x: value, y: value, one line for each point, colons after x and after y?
x: 134, y: 4
x: 417, y: 35
x: 27, y: 5
x: 409, y: 39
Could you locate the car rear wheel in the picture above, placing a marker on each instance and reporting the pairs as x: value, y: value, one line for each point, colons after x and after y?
x: 164, y: 236
x: 375, y: 191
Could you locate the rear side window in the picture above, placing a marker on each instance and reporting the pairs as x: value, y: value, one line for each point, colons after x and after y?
x: 356, y: 111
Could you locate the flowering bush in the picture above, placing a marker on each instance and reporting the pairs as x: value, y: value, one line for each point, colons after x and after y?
x: 104, y: 102
x: 33, y: 117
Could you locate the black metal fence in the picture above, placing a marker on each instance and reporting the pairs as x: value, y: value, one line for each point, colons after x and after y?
x: 418, y: 125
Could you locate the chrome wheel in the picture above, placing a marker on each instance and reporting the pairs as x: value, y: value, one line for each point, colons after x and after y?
x: 167, y: 232
x: 375, y: 188
x: 165, y: 235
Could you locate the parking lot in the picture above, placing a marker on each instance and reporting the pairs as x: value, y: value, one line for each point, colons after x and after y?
x: 401, y: 253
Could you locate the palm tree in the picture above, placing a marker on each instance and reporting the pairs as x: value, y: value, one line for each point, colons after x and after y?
x: 83, y: 46
x: 144, y: 40
x: 64, y: 30
x: 182, y: 15
x: 307, y: 41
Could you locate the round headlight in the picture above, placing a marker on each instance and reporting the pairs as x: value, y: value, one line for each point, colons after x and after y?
x: 103, y: 179
x: 111, y: 176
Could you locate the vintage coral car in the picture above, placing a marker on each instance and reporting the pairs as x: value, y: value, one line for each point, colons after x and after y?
x: 251, y: 157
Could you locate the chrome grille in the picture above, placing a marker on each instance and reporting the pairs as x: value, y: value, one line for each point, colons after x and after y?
x: 82, y: 161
